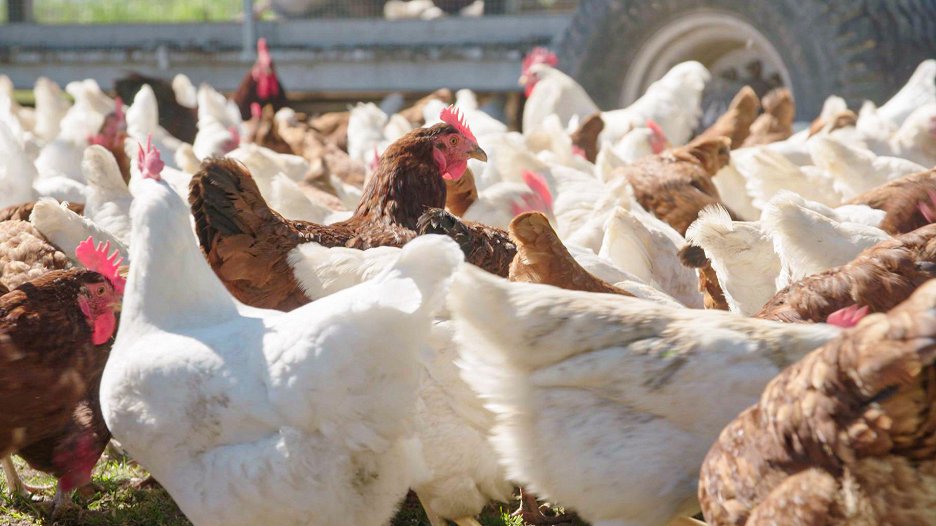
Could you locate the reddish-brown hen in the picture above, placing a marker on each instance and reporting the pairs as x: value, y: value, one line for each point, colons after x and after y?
x: 677, y: 184
x: 247, y: 243
x: 901, y: 199
x: 776, y: 123
x: 55, y: 334
x: 880, y: 277
x: 542, y: 258
x: 261, y: 84
x: 846, y: 436
x: 736, y: 122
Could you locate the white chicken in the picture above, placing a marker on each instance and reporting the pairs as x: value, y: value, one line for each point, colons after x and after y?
x: 608, y: 404
x: 808, y: 242
x: 108, y: 199
x: 219, y: 124
x: 248, y: 416
x: 66, y: 229
x: 855, y: 170
x: 742, y: 255
x: 451, y: 422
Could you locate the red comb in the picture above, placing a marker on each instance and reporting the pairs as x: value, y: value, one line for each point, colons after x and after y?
x: 148, y: 160
x: 255, y: 110
x: 96, y: 259
x: 848, y: 316
x: 538, y: 184
x: 263, y: 52
x: 539, y: 55
x: 451, y: 115
x: 658, y: 141
x: 929, y: 210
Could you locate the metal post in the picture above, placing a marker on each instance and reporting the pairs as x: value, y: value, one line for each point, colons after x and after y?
x: 249, y: 32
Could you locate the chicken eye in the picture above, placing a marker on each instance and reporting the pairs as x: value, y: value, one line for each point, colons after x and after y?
x: 100, y: 290
x: 453, y: 141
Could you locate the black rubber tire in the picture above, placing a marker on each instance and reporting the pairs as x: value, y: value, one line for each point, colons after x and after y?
x: 858, y: 49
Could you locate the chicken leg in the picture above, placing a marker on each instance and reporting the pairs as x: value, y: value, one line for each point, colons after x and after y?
x: 14, y: 484
x: 61, y: 502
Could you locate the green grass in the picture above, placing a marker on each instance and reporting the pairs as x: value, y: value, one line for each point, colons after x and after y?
x: 130, y: 11
x: 117, y: 503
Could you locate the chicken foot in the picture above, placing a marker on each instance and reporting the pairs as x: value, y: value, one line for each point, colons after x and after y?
x: 61, y: 502
x: 15, y: 485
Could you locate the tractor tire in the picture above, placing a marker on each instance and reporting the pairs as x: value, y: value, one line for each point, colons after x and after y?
x: 860, y: 49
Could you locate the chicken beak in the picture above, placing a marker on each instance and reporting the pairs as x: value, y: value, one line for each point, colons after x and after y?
x: 522, y: 80
x: 478, y: 153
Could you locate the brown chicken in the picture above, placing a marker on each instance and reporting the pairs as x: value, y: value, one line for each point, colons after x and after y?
x: 901, y: 199
x: 263, y: 129
x: 736, y: 122
x: 585, y: 138
x: 776, y: 123
x: 879, y: 278
x: 484, y: 246
x: 261, y: 84
x: 21, y: 212
x: 461, y: 193
x: 247, y: 243
x: 542, y: 258
x: 713, y: 297
x: 180, y: 121
x: 56, y: 334
x: 112, y: 136
x: 842, y: 119
x: 677, y: 184
x: 843, y: 437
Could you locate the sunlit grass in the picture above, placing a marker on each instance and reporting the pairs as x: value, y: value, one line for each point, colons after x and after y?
x: 130, y: 11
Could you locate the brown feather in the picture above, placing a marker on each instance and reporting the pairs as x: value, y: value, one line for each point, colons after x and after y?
x: 586, y: 136
x: 846, y: 436
x: 677, y: 184
x: 484, y: 246
x: 900, y: 198
x: 776, y: 123
x: 247, y: 243
x: 880, y: 277
x: 736, y: 122
x: 542, y: 258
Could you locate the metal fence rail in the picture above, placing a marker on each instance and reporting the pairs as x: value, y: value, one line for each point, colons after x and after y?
x: 53, y: 12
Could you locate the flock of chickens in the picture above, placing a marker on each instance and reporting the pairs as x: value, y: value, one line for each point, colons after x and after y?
x: 294, y: 320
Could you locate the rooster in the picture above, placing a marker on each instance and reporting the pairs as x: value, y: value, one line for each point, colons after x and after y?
x: 844, y: 436
x: 261, y: 84
x: 247, y: 243
x: 56, y: 332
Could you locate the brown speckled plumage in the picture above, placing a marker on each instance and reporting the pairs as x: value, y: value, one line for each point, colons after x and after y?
x: 47, y: 360
x: 484, y: 246
x: 542, y: 258
x: 25, y: 254
x: 846, y: 436
x: 900, y: 198
x: 677, y: 184
x: 247, y: 243
x: 880, y: 277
